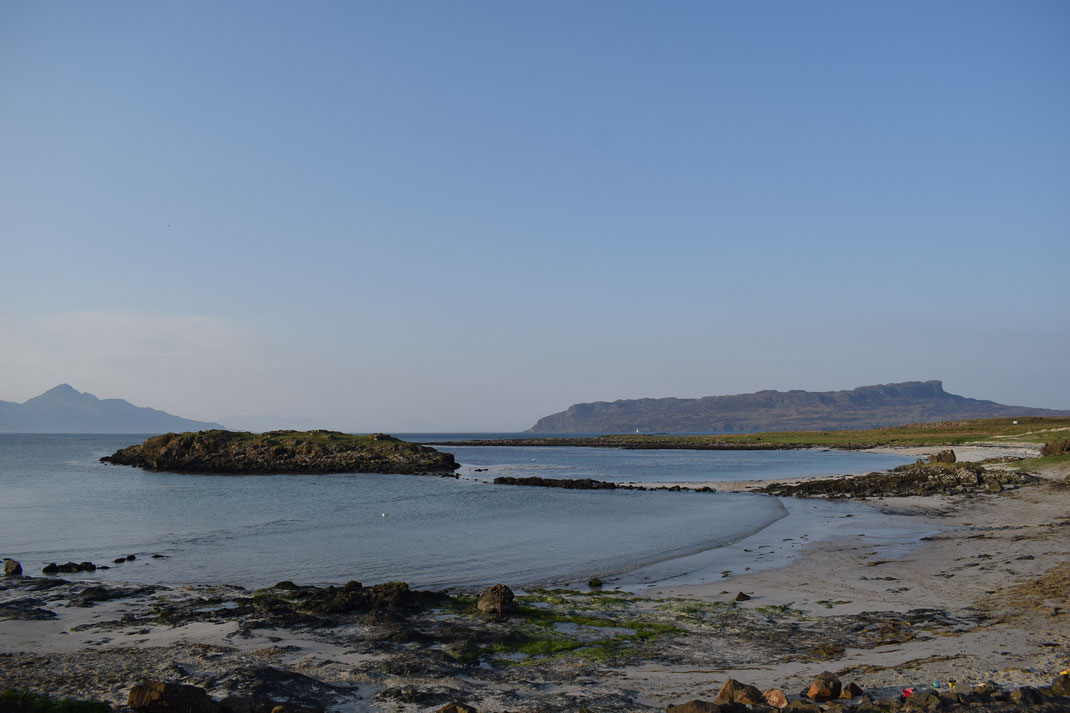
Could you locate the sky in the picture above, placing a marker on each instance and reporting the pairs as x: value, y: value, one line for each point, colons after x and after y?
x: 464, y: 216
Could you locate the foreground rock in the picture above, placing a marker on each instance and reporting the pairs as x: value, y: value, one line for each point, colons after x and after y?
x: 736, y: 697
x: 239, y: 452
x: 12, y: 568
x: 496, y: 601
x: 160, y: 697
x: 915, y: 479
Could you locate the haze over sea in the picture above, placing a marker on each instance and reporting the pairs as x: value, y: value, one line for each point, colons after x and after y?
x: 61, y: 504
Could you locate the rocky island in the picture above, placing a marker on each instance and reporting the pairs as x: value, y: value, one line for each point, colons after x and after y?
x: 242, y: 453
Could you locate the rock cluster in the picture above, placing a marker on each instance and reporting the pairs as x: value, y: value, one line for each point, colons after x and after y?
x: 163, y: 697
x: 69, y: 567
x: 915, y: 479
x: 232, y: 452
x: 828, y: 693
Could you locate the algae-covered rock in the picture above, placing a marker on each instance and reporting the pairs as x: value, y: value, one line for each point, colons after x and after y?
x: 239, y: 452
x: 496, y: 601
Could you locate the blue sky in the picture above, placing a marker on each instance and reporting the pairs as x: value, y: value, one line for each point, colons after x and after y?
x: 467, y: 215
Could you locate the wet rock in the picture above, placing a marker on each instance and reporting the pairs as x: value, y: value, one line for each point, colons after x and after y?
x: 594, y: 582
x: 496, y: 601
x: 947, y: 456
x: 825, y: 687
x: 456, y: 708
x: 775, y: 697
x: 26, y: 609
x: 568, y: 483
x: 803, y: 707
x: 1025, y: 695
x: 53, y: 568
x: 732, y: 691
x: 925, y: 700
x: 246, y: 704
x: 851, y: 690
x: 1060, y: 685
x: 160, y: 697
x: 12, y: 568
x: 741, y: 597
x: 697, y: 706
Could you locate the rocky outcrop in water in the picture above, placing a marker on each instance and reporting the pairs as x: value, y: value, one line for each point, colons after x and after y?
x: 238, y: 452
x: 915, y: 479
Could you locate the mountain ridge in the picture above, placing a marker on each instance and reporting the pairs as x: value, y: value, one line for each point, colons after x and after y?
x: 64, y: 409
x: 875, y: 406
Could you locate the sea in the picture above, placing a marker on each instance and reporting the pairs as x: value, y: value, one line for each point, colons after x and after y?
x: 58, y: 503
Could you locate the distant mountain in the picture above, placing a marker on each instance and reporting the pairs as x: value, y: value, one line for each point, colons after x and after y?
x: 864, y: 407
x: 64, y: 409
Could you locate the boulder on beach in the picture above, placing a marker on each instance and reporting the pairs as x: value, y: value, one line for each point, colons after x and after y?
x: 946, y: 456
x: 775, y: 698
x: 825, y: 687
x: 12, y: 568
x: 732, y: 691
x: 496, y: 601
x: 160, y: 697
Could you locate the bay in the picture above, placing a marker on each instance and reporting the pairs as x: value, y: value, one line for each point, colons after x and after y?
x: 58, y: 503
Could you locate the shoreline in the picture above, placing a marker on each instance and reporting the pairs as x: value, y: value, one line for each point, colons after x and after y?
x: 984, y: 568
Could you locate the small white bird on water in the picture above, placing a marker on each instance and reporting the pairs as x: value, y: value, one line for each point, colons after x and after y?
x: 382, y: 514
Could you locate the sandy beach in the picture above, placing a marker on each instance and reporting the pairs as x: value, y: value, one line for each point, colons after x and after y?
x: 887, y: 593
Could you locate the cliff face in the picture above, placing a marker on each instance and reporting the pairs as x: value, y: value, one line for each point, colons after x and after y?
x: 239, y: 452
x: 865, y: 407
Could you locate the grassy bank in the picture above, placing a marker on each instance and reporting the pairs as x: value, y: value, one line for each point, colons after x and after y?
x: 944, y: 433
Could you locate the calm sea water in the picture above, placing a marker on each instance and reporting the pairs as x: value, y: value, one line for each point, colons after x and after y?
x: 58, y: 503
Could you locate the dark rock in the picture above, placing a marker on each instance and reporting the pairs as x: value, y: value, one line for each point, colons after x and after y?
x: 26, y: 609
x: 947, y: 456
x: 456, y: 708
x: 732, y: 691
x: 851, y: 690
x: 160, y: 697
x: 12, y: 568
x: 741, y: 597
x: 925, y: 700
x: 825, y: 687
x: 69, y: 567
x: 1025, y: 695
x: 594, y: 582
x: 1060, y: 685
x: 803, y: 707
x: 568, y: 483
x: 496, y: 601
x: 246, y: 704
x: 695, y: 706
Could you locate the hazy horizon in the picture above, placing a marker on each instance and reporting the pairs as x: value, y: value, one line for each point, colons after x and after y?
x: 466, y: 216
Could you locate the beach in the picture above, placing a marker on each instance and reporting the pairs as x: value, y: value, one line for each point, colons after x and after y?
x: 968, y: 587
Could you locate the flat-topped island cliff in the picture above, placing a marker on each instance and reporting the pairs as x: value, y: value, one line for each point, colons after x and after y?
x: 240, y: 452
